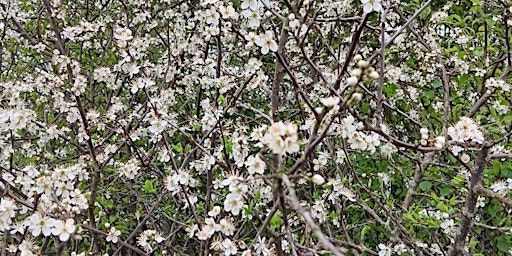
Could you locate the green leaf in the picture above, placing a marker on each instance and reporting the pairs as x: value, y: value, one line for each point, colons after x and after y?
x: 435, y: 197
x: 503, y: 244
x: 221, y: 100
x: 149, y: 187
x: 473, y: 242
x: 425, y: 185
x: 229, y: 146
x: 445, y: 191
x: 442, y: 207
x: 364, y: 231
x: 437, y: 83
x: 507, y: 118
x: 458, y: 181
x: 276, y: 221
x: 177, y: 147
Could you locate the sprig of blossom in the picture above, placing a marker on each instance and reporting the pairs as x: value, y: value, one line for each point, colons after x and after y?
x: 282, y: 138
x: 466, y: 130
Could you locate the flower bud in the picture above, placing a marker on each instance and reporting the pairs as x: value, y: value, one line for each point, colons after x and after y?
x: 357, y: 72
x: 356, y: 97
x: 358, y: 57
x: 363, y: 64
x: 352, y: 81
x: 423, y: 131
x: 439, y: 143
x: 465, y: 158
x: 318, y: 179
x: 373, y: 75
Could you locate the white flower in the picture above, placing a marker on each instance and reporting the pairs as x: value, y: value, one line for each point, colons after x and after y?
x: 255, y: 165
x: 464, y: 130
x: 384, y: 250
x: 373, y: 141
x: 253, y: 18
x: 113, y: 235
x: 191, y: 230
x: 387, y: 150
x: 229, y: 247
x: 159, y: 238
x: 233, y: 203
x: 202, y: 235
x: 215, y: 211
x: 456, y: 149
x: 40, y: 224
x: 64, y: 229
x: 330, y: 101
x: 266, y: 43
x: 371, y: 5
x: 158, y: 126
x: 290, y: 144
x: 209, y: 226
x: 347, y: 193
x: 480, y: 202
x: 212, y: 16
x: 400, y: 249
x: 282, y: 138
x: 447, y: 226
x: 251, y: 39
x: 226, y: 227
x: 500, y: 187
x: 123, y: 34
x: 252, y: 4
x: 261, y: 247
x: 357, y: 140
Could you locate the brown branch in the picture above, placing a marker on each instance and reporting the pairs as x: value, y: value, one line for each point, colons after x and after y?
x: 489, y: 193
x: 279, y: 72
x: 482, y: 100
x: 382, y: 64
x: 418, y: 176
x: 138, y: 227
x: 295, y: 203
x: 123, y: 243
x: 471, y: 200
x: 351, y: 51
x: 402, y: 28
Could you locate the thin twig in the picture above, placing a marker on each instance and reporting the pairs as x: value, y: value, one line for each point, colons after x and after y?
x: 295, y: 203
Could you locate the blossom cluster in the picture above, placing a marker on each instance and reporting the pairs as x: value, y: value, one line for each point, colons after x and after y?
x: 466, y: 130
x: 282, y: 138
x: 149, y: 239
x: 352, y: 130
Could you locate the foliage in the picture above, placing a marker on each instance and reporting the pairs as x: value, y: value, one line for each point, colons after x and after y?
x: 255, y: 127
